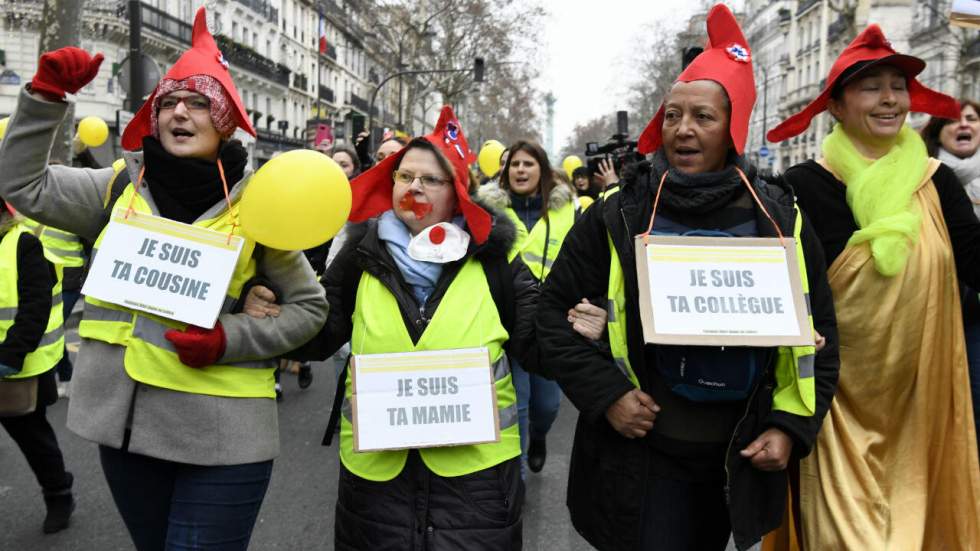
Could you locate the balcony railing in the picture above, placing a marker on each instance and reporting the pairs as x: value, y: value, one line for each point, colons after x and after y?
x: 331, y: 51
x: 241, y: 56
x: 263, y: 8
x: 300, y: 81
x: 278, y: 138
x: 161, y: 22
x: 359, y: 103
x: 325, y: 94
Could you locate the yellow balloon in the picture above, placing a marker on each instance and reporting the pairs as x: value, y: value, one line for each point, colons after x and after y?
x: 489, y: 157
x: 3, y: 126
x: 93, y: 131
x: 570, y: 164
x: 296, y: 201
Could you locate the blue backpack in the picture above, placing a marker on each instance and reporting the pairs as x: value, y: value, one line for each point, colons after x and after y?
x: 709, y: 373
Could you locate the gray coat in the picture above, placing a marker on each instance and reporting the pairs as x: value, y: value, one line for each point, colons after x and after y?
x: 105, y: 401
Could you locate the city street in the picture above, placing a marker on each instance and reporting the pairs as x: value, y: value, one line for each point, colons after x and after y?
x: 298, y: 509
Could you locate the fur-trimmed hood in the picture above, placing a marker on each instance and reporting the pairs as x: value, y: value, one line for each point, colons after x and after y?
x: 497, y: 198
x: 498, y: 243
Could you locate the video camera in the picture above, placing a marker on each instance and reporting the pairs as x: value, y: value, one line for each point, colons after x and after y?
x: 619, y: 149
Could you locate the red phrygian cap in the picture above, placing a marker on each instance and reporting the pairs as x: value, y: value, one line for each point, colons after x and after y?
x: 726, y: 60
x: 203, y: 58
x: 372, y: 189
x: 870, y: 46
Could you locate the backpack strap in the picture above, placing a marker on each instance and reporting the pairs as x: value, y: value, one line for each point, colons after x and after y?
x: 338, y: 402
x: 113, y: 190
x: 501, y: 284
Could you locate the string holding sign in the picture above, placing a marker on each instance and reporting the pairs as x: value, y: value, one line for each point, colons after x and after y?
x: 721, y: 291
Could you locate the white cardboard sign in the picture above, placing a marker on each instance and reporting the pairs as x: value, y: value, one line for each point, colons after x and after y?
x: 167, y: 268
x: 423, y: 399
x: 721, y: 291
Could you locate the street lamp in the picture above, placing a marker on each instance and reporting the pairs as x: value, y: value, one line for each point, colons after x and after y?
x: 478, y: 70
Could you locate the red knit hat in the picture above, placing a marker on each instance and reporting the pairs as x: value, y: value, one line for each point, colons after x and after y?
x: 203, y: 58
x: 869, y: 49
x: 372, y: 189
x: 726, y: 60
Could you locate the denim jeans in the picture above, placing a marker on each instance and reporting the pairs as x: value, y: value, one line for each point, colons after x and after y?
x: 175, y: 506
x: 64, y: 367
x: 537, y: 404
x: 972, y: 332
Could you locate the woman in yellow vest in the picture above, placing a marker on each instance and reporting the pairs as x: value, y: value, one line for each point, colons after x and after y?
x: 895, y: 465
x: 543, y: 209
x: 429, y: 270
x: 185, y: 417
x: 68, y: 248
x: 31, y: 344
x: 683, y: 447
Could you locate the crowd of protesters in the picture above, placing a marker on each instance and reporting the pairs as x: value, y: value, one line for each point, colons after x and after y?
x: 865, y: 439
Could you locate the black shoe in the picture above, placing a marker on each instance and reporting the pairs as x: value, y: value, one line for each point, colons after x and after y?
x: 305, y: 377
x: 537, y: 452
x: 60, y: 506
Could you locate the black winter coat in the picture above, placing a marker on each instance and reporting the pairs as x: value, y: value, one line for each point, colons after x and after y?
x: 365, y: 252
x: 607, y: 475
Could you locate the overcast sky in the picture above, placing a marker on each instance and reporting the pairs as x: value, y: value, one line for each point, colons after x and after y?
x: 587, y: 46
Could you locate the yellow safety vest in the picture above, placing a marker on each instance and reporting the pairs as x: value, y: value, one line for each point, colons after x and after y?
x: 64, y: 245
x: 531, y: 245
x: 52, y: 346
x: 466, y: 318
x: 794, y: 392
x: 152, y: 359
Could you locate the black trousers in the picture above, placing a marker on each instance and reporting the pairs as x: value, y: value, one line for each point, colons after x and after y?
x: 36, y: 439
x: 683, y: 516
x: 419, y: 510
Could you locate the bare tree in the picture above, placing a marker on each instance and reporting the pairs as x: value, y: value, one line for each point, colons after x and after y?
x: 441, y: 35
x: 60, y: 27
x: 598, y: 130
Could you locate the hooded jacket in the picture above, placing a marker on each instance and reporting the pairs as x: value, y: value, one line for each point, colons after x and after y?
x: 365, y: 252
x: 107, y: 406
x: 608, y: 472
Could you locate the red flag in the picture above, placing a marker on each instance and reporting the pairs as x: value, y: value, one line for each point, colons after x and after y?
x: 323, y: 35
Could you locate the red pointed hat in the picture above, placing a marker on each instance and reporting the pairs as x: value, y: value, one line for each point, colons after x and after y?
x: 203, y: 58
x: 372, y: 189
x: 726, y: 60
x: 869, y: 49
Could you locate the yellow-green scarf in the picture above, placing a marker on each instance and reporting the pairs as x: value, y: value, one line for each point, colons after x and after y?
x: 879, y: 193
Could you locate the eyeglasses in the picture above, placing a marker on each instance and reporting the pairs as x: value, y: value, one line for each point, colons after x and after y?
x: 407, y: 178
x: 192, y: 103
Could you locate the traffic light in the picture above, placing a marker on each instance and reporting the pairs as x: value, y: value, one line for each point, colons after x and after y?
x: 478, y: 68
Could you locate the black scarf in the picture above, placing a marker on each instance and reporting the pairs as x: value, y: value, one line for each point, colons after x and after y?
x: 699, y: 193
x: 184, y: 188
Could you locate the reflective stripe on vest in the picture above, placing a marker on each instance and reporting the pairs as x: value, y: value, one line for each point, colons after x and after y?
x: 794, y: 392
x: 553, y: 229
x: 51, y: 347
x: 466, y: 318
x: 151, y: 359
x: 64, y: 245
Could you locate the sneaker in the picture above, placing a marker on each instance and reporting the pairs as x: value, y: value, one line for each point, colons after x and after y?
x: 305, y: 376
x: 278, y: 392
x: 537, y: 452
x: 64, y: 389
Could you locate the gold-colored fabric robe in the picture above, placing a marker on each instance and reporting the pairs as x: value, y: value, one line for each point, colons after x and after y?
x: 895, y: 464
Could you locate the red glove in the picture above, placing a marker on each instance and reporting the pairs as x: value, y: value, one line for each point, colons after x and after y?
x: 64, y: 70
x: 198, y: 347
